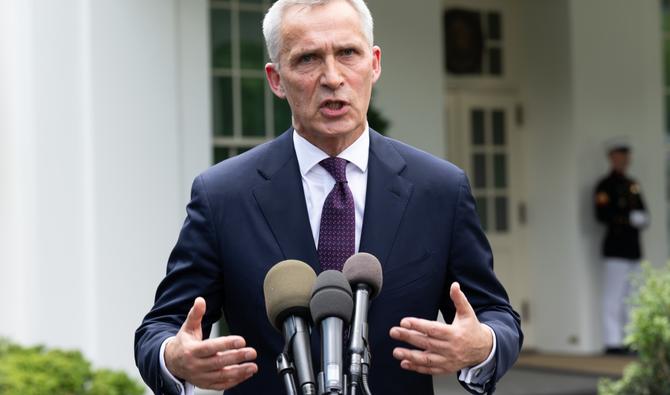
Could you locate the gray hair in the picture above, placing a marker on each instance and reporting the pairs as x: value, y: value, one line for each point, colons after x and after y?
x: 273, y: 19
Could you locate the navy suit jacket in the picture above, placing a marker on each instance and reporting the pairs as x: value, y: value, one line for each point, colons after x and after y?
x: 248, y: 213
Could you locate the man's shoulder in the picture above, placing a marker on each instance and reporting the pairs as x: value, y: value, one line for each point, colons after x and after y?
x: 611, y: 181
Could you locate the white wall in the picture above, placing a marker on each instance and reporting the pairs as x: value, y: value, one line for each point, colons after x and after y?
x: 620, y: 96
x: 586, y: 82
x: 105, y: 123
x: 551, y: 172
x: 410, y: 92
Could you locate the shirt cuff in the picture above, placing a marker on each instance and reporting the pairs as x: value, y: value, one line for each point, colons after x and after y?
x: 478, y: 376
x: 176, y: 385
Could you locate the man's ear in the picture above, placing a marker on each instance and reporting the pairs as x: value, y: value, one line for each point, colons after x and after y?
x: 376, y: 63
x: 274, y: 79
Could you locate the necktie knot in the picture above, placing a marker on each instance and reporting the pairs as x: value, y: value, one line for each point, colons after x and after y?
x: 337, y: 167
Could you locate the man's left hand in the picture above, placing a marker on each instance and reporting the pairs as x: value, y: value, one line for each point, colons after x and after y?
x: 444, y: 348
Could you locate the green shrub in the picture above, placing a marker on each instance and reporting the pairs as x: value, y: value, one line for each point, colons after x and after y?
x: 39, y: 371
x: 649, y: 335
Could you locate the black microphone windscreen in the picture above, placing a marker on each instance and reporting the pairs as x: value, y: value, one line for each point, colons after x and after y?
x: 287, y: 289
x: 331, y: 297
x: 364, y: 268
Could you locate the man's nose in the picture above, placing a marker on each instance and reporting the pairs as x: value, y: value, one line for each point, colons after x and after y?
x: 332, y: 76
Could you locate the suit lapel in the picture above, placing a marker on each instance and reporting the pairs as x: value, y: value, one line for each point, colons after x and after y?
x: 386, y: 198
x: 282, y: 201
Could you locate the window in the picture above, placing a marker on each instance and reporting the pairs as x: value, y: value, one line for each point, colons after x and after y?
x: 473, y: 42
x: 245, y: 111
x: 489, y: 168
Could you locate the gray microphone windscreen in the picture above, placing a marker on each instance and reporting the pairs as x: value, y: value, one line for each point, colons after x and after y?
x: 331, y: 297
x: 287, y: 289
x: 364, y: 268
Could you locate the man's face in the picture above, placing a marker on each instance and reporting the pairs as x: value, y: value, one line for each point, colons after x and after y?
x: 326, y: 72
x: 619, y: 160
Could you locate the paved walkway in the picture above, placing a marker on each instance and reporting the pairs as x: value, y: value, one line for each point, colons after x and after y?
x: 521, y: 381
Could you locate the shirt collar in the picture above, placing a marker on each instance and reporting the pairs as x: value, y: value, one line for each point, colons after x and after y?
x: 310, y: 155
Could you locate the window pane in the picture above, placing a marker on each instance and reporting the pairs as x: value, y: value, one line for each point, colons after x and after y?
x: 495, y: 61
x: 501, y: 214
x: 251, y: 40
x: 666, y: 46
x: 667, y: 118
x: 498, y: 127
x: 220, y: 36
x: 282, y: 114
x: 479, y: 170
x: 241, y: 150
x: 480, y: 203
x: 477, y: 127
x: 253, y: 109
x: 221, y: 153
x: 222, y: 106
x: 494, y: 28
x: 500, y: 170
x: 252, y: 1
x: 666, y: 15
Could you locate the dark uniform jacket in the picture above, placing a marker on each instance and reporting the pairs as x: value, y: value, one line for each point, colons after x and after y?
x: 615, y: 197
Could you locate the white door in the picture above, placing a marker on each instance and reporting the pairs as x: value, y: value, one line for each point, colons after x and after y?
x: 485, y: 141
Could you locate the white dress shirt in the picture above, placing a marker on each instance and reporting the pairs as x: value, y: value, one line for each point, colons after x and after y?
x: 317, y: 184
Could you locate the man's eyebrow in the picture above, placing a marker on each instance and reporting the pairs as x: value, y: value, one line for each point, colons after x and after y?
x: 304, y: 51
x: 317, y: 50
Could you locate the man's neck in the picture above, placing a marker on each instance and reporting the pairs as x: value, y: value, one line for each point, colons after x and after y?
x: 335, y: 145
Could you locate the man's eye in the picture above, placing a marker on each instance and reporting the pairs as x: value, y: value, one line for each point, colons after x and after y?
x: 348, y: 52
x: 306, y: 58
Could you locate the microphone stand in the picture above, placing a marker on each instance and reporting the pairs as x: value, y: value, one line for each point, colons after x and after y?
x: 294, y: 328
x: 360, y: 354
x: 365, y: 369
x: 285, y: 369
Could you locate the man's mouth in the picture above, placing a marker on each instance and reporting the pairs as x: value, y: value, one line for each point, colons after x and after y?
x: 333, y: 104
x: 333, y: 108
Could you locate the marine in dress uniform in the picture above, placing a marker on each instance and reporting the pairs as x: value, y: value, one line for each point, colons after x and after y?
x: 620, y: 207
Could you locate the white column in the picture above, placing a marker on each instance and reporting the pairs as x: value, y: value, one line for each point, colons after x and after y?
x: 15, y: 166
x: 104, y: 122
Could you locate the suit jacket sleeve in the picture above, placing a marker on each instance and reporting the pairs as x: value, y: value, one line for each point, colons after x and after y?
x: 193, y: 270
x: 471, y: 264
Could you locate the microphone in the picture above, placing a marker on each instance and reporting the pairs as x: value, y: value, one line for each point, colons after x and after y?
x: 287, y: 288
x: 364, y: 273
x: 331, y: 306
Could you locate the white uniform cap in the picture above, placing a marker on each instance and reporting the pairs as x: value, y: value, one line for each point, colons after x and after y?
x: 619, y: 143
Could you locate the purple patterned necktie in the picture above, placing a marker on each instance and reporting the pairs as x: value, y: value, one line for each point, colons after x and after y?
x: 337, y: 234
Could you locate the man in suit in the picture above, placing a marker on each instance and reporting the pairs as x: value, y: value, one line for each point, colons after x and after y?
x: 413, y: 211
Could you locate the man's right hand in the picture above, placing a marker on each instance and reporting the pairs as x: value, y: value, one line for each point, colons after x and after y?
x: 218, y: 364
